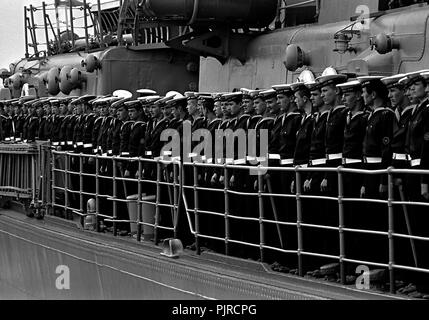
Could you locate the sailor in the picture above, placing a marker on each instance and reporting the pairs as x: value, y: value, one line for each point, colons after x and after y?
x: 19, y: 117
x: 56, y: 123
x: 377, y: 155
x: 122, y: 117
x: 70, y: 125
x: 33, y: 124
x: 7, y: 125
x: 80, y: 105
x: 96, y: 128
x: 63, y: 128
x: 417, y: 145
x: 88, y: 124
x: 354, y: 133
x: 136, y: 138
x: 179, y: 112
x: 27, y: 117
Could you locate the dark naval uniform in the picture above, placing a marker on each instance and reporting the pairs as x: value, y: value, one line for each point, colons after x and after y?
x: 417, y: 145
x: 377, y: 154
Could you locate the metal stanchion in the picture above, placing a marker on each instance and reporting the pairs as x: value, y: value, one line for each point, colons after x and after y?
x: 139, y: 204
x: 115, y: 195
x: 341, y: 225
x: 82, y: 206
x: 261, y: 216
x: 158, y: 195
x: 390, y: 232
x: 227, y: 235
x: 97, y: 193
x: 196, y: 213
x: 299, y: 221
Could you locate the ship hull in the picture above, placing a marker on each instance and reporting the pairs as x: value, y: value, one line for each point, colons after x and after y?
x: 33, y: 255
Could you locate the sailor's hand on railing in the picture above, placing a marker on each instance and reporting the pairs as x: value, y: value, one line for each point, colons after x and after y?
x: 213, y: 180
x: 362, y: 192
x: 221, y: 179
x: 382, y: 189
x: 425, y: 191
x: 59, y: 148
x: 398, y: 182
x: 120, y: 165
x: 127, y: 174
x: 292, y: 187
x: 324, y: 185
x: 307, y: 185
x: 232, y: 181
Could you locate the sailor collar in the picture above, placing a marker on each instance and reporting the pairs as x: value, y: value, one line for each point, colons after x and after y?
x: 214, y: 120
x: 357, y: 114
x: 380, y: 109
x: 399, y: 115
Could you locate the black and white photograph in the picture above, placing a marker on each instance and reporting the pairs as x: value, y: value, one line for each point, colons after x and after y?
x: 214, y: 155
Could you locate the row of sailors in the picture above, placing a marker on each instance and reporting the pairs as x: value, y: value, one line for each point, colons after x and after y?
x: 373, y: 121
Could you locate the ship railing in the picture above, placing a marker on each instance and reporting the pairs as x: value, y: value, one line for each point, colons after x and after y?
x: 77, y: 178
x: 22, y: 174
x: 306, y: 226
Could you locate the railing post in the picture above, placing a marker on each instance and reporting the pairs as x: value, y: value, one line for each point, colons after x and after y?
x: 261, y: 216
x: 158, y: 197
x: 299, y: 220
x: 97, y: 192
x: 115, y: 195
x: 341, y: 224
x: 391, y: 230
x: 225, y: 183
x: 139, y: 204
x: 176, y: 198
x: 66, y: 183
x: 81, y: 185
x: 26, y: 32
x: 53, y: 182
x: 196, y: 213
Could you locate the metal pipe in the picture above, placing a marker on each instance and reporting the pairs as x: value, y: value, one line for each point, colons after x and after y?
x: 139, y: 204
x: 115, y: 195
x: 194, y: 12
x: 261, y: 216
x: 196, y: 213
x: 341, y: 225
x: 81, y: 184
x: 53, y: 182
x: 299, y: 221
x: 158, y: 196
x: 46, y: 28
x: 36, y: 51
x: 176, y: 198
x: 227, y: 236
x: 66, y: 184
x: 85, y: 21
x: 99, y: 24
x: 391, y: 231
x: 97, y: 192
x: 57, y: 17
x: 71, y: 23
x: 25, y: 33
